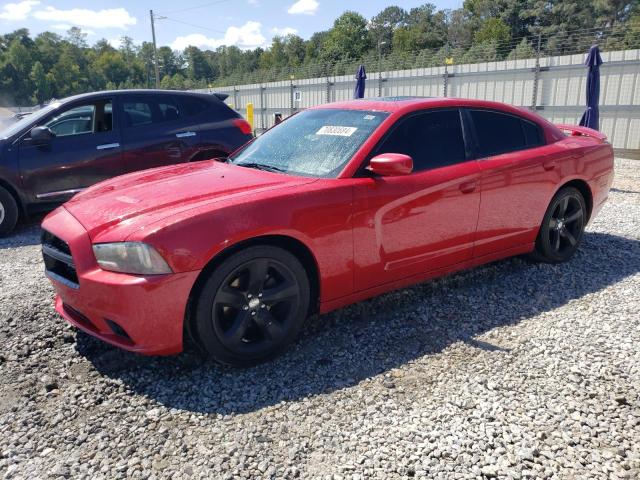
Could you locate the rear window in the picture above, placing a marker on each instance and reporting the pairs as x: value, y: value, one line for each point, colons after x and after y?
x: 532, y: 134
x: 499, y: 133
x: 193, y: 106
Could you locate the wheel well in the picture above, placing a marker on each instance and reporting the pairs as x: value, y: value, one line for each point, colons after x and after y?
x: 297, y: 248
x: 12, y: 191
x: 207, y: 154
x: 583, y: 188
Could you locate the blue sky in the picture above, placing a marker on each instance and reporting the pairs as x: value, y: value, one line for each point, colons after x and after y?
x: 208, y: 24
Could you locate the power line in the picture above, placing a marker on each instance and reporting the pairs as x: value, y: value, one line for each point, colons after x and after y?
x: 190, y: 24
x: 209, y: 4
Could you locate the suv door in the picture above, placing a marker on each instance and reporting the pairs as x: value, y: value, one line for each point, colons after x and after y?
x: 516, y: 179
x: 408, y: 225
x: 152, y: 135
x: 84, y: 150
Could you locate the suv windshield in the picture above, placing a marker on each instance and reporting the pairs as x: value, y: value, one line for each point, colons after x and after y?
x: 28, y: 120
x: 314, y: 143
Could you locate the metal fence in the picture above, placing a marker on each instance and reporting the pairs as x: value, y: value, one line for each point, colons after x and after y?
x: 552, y: 85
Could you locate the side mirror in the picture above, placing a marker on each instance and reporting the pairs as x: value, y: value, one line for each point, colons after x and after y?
x: 41, y: 135
x: 391, y: 164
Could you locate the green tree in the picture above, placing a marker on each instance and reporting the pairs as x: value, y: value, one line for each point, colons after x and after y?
x: 384, y: 25
x: 43, y: 85
x: 348, y: 38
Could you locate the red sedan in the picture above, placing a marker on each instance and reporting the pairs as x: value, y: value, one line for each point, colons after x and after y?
x: 336, y: 204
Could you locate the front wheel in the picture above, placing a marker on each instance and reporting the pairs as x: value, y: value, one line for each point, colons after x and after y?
x: 8, y: 212
x: 252, y: 306
x: 562, y: 227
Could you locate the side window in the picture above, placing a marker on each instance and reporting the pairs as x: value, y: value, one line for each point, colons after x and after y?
x: 192, y: 106
x: 432, y: 139
x: 89, y: 118
x: 502, y: 133
x: 140, y: 112
x: 137, y: 114
x: 532, y: 134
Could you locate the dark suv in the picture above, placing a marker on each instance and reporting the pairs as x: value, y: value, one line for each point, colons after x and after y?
x: 50, y: 155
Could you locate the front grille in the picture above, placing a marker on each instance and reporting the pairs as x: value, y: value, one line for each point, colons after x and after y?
x: 58, y: 261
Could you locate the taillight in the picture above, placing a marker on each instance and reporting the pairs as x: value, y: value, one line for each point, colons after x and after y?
x: 243, y: 125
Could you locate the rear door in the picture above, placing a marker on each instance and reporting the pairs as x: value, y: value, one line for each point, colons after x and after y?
x: 85, y: 150
x: 517, y: 179
x: 153, y: 133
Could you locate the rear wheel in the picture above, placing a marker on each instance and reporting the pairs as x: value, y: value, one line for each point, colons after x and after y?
x: 8, y: 212
x: 562, y: 227
x: 252, y: 306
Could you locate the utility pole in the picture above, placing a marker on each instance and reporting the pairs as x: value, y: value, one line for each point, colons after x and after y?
x: 380, y: 44
x: 155, y: 52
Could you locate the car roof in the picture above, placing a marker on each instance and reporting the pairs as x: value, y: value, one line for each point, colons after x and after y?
x: 400, y: 104
x: 136, y: 91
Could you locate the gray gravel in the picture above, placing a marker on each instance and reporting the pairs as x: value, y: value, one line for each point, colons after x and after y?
x: 513, y: 370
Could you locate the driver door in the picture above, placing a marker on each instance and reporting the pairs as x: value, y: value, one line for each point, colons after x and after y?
x: 84, y: 150
x: 406, y: 226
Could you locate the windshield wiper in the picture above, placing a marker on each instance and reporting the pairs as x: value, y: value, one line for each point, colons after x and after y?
x: 262, y: 166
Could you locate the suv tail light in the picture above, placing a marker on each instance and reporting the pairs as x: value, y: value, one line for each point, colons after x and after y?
x: 243, y: 125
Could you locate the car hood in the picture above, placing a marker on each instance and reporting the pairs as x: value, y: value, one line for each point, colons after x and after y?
x: 141, y: 198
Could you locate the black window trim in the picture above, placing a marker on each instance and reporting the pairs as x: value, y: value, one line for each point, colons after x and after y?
x: 475, y: 145
x: 21, y: 137
x: 362, y: 172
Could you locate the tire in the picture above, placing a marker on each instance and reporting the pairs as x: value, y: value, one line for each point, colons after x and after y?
x: 8, y: 212
x: 252, y: 306
x: 562, y: 227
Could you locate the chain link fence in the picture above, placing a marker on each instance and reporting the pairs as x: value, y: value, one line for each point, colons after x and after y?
x: 544, y: 73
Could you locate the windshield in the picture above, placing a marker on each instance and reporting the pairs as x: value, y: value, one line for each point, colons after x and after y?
x: 314, y: 143
x: 28, y: 120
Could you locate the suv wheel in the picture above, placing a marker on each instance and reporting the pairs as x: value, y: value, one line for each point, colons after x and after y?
x: 8, y: 212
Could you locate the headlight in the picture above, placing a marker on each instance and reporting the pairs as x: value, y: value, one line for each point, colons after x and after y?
x: 130, y: 257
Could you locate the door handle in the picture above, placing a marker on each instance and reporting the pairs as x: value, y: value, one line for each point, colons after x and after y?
x: 549, y: 164
x: 185, y: 134
x: 467, y: 187
x: 107, y: 146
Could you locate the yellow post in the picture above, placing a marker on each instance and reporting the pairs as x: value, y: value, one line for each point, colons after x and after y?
x: 250, y: 114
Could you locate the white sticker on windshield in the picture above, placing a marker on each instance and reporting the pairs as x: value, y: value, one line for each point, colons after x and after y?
x: 369, y: 117
x: 336, y: 131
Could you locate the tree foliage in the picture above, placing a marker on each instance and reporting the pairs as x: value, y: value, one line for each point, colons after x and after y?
x: 34, y: 70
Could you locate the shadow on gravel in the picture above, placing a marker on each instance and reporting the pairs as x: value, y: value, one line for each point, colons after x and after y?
x: 343, y: 348
x: 25, y: 234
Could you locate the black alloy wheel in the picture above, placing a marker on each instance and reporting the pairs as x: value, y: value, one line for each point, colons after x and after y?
x: 563, y: 226
x: 252, y: 306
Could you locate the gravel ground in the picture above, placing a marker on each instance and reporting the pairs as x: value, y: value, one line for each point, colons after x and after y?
x: 513, y: 370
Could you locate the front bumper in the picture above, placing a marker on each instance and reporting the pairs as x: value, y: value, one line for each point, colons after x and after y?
x: 136, y: 313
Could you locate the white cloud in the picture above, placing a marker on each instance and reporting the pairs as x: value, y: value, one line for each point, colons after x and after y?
x: 115, y: 42
x: 304, y: 7
x: 247, y: 36
x: 65, y: 27
x: 108, y: 18
x: 14, y: 12
x: 283, y: 32
x: 253, y: 2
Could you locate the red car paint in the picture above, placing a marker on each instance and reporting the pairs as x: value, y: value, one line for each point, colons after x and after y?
x: 367, y: 235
